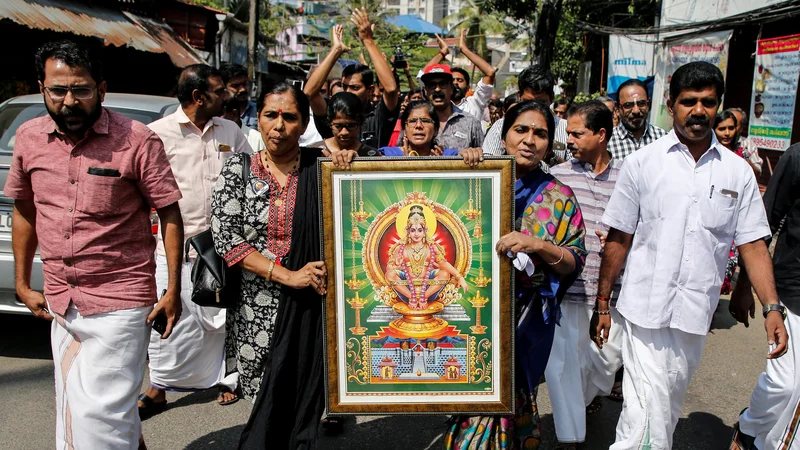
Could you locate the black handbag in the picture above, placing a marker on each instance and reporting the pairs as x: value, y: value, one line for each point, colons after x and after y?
x: 213, y: 282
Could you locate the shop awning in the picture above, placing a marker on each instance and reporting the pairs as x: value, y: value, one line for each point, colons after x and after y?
x: 115, y: 27
x: 415, y: 24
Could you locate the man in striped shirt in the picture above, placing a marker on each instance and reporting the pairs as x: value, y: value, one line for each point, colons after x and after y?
x: 577, y: 370
x: 633, y: 131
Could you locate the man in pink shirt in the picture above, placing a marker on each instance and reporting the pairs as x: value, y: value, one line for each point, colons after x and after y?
x: 84, y: 179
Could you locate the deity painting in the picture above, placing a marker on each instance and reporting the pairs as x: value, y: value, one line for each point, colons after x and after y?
x: 417, y: 314
x: 417, y: 267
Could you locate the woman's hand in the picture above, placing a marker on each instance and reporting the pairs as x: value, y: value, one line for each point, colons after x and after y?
x: 517, y: 242
x: 437, y: 150
x: 472, y: 156
x: 313, y: 274
x: 342, y: 158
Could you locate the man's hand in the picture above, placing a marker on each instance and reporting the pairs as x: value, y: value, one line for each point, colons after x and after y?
x: 169, y: 305
x: 36, y: 302
x: 360, y: 19
x: 462, y: 39
x: 599, y: 327
x: 337, y: 43
x: 776, y: 334
x: 443, y: 48
x: 602, y: 237
x: 742, y: 301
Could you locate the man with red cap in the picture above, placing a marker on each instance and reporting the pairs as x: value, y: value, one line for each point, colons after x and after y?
x: 457, y: 130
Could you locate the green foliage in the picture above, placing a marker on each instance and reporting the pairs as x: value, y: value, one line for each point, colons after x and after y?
x: 511, y: 83
x: 584, y: 97
x: 480, y: 20
x: 569, y: 51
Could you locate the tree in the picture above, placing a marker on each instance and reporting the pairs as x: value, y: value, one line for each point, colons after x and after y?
x: 480, y: 20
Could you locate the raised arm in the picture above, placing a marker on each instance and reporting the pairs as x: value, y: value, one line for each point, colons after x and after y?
x: 486, y: 68
x: 320, y: 74
x: 444, y: 50
x: 391, y: 93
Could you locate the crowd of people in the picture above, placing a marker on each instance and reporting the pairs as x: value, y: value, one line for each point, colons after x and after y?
x: 679, y: 210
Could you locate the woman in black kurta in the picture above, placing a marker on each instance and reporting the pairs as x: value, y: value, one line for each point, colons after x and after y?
x: 269, y: 226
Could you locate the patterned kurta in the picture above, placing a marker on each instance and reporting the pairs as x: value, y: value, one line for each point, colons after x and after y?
x: 547, y: 210
x: 246, y: 219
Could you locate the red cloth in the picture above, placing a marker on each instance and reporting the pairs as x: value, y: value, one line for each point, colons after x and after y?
x: 94, y: 232
x: 395, y: 134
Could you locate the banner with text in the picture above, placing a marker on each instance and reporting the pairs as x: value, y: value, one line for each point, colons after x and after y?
x: 712, y: 48
x: 774, y: 92
x: 627, y: 59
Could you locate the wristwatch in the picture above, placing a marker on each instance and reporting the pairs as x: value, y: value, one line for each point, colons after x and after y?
x: 767, y: 308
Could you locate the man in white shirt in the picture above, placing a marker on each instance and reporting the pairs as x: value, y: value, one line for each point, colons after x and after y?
x: 677, y: 205
x: 475, y: 103
x: 197, y: 142
x: 535, y: 83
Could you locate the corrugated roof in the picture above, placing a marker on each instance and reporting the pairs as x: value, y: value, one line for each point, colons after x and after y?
x: 115, y: 27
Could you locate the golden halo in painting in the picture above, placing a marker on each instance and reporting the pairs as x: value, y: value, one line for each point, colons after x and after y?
x: 402, y: 219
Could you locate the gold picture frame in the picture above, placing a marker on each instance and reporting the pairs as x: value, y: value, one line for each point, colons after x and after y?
x: 419, y: 312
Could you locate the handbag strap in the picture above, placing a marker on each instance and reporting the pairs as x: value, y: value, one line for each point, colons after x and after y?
x: 245, y: 182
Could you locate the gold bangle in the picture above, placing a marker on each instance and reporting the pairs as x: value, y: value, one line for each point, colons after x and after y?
x: 559, y: 259
x: 271, y: 268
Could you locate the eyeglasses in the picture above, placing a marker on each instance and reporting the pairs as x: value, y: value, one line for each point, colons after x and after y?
x: 440, y: 84
x: 640, y: 103
x: 79, y: 92
x: 340, y: 126
x: 423, y: 120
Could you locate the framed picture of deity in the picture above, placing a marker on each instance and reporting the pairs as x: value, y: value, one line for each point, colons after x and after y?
x: 418, y: 316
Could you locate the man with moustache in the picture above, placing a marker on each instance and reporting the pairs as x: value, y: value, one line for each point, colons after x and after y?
x: 633, y: 132
x: 474, y: 104
x: 84, y: 179
x: 578, y: 370
x: 457, y: 130
x: 235, y: 76
x: 197, y: 142
x: 676, y: 207
x: 358, y: 79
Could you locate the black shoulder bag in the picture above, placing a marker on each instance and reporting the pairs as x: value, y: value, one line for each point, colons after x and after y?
x: 213, y: 282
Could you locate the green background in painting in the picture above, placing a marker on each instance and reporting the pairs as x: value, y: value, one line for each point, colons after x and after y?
x: 451, y: 192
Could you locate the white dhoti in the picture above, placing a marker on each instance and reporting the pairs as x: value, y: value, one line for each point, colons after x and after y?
x: 659, y: 363
x: 774, y: 413
x: 577, y: 367
x: 193, y: 357
x: 99, y: 366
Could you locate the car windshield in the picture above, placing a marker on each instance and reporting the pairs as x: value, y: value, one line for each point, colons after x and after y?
x: 14, y: 115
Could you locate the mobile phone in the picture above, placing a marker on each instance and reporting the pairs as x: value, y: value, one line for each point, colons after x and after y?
x: 160, y: 322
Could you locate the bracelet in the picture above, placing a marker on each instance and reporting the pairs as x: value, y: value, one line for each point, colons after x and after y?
x: 602, y: 298
x: 269, y: 272
x: 559, y: 259
x: 602, y: 313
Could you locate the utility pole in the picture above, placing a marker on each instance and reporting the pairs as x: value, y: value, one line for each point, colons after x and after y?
x: 252, y: 40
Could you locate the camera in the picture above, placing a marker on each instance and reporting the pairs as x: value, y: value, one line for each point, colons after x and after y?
x: 400, y: 61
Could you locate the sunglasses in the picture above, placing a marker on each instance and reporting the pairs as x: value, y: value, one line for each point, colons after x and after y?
x: 629, y: 105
